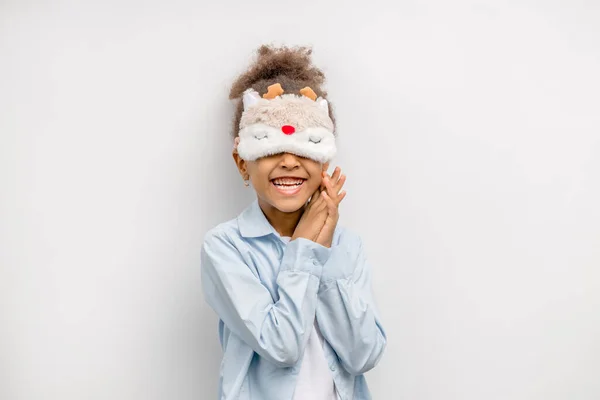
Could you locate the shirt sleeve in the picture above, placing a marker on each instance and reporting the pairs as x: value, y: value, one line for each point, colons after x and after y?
x: 346, y: 310
x: 276, y: 330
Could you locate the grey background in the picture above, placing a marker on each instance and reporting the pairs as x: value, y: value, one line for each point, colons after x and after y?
x: 469, y: 132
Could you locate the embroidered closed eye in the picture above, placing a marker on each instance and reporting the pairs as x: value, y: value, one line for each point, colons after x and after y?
x: 260, y: 136
x: 314, y: 139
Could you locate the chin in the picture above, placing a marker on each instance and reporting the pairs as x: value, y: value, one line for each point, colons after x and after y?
x: 289, y: 205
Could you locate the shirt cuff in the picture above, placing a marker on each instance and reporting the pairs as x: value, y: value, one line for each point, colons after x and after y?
x: 339, y: 265
x: 304, y: 255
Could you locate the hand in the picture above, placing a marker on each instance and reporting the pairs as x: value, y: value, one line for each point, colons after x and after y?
x: 332, y: 197
x: 313, y: 218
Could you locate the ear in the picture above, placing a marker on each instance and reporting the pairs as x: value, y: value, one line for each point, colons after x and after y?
x: 241, y: 164
x: 323, y: 104
x: 250, y: 98
x: 326, y: 166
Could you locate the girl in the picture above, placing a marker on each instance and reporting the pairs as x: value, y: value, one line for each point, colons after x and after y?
x: 291, y: 287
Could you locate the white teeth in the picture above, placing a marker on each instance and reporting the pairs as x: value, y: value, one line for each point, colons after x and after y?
x: 288, y: 182
x: 289, y: 188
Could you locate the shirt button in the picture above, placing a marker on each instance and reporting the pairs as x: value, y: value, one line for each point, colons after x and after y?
x: 332, y: 367
x: 315, y: 262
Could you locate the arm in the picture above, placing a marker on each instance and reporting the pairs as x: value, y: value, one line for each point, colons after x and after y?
x: 346, y: 311
x: 275, y: 330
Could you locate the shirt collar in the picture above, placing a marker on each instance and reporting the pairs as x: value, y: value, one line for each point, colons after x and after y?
x: 253, y: 222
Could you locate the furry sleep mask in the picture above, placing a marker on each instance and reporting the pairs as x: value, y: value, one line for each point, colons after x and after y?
x: 285, y: 123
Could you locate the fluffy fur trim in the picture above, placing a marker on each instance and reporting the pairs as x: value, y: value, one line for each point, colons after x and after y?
x: 260, y: 140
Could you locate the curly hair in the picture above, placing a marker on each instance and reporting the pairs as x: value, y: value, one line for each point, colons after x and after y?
x: 289, y: 66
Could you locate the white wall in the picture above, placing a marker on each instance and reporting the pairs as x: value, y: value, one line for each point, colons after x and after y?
x: 470, y: 134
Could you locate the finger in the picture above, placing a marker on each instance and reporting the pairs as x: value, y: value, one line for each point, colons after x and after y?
x: 319, y: 205
x: 336, y: 175
x: 327, y: 185
x: 323, y: 175
x: 341, y: 196
x: 340, y: 183
x: 327, y: 199
x: 315, y: 196
x: 331, y: 204
x: 330, y: 190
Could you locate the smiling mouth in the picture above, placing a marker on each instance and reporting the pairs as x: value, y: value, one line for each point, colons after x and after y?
x: 288, y: 186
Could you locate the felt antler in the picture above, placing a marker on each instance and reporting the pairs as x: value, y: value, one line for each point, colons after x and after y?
x: 273, y: 91
x: 308, y: 92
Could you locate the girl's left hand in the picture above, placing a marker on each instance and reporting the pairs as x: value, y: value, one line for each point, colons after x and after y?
x: 331, y: 187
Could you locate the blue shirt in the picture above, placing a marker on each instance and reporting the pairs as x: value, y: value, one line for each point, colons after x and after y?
x: 267, y: 294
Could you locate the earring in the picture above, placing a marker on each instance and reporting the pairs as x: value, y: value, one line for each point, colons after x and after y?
x: 246, y: 182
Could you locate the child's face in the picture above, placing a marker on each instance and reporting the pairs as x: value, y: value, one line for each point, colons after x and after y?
x: 268, y: 176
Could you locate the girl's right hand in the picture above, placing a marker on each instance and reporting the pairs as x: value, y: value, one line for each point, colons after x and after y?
x: 312, y: 220
x: 333, y: 196
x: 320, y: 218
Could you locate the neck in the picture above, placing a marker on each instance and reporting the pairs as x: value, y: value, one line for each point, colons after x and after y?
x: 284, y: 222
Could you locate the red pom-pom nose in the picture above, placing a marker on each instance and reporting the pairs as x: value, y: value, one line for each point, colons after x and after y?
x: 288, y: 129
